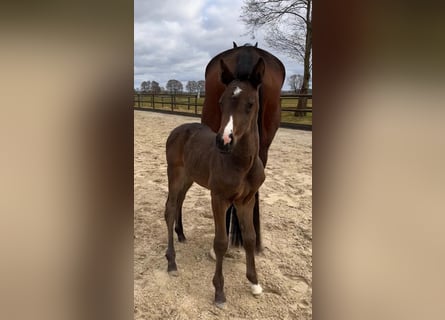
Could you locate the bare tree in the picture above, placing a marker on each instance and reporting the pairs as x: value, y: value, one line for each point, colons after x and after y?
x: 155, y: 87
x: 174, y: 86
x: 295, y: 82
x: 191, y: 86
x: 145, y: 86
x: 201, y: 87
x: 289, y: 25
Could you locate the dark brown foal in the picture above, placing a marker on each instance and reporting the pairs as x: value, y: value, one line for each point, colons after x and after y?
x: 227, y: 163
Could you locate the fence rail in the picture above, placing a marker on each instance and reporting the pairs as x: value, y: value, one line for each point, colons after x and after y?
x: 191, y: 105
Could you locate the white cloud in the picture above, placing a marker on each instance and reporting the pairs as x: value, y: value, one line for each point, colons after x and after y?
x: 175, y: 39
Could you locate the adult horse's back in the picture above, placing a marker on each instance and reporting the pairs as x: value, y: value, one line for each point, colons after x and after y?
x: 241, y: 60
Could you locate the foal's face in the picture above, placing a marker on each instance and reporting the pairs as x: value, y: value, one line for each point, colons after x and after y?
x: 239, y: 111
x: 239, y: 105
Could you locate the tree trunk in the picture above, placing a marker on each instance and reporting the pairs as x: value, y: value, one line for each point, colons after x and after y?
x: 302, y: 102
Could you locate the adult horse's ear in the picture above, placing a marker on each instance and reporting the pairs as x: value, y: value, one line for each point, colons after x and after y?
x: 256, y: 45
x: 226, y: 74
x: 256, y: 76
x: 234, y: 44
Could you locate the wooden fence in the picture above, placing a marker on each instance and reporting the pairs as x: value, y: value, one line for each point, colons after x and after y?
x: 191, y: 105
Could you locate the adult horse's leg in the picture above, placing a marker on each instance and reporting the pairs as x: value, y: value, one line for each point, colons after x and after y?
x: 178, y: 225
x: 219, y: 207
x: 245, y: 212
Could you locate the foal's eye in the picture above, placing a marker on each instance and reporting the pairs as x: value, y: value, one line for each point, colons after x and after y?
x: 249, y: 106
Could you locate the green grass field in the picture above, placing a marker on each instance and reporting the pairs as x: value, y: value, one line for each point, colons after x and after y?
x: 187, y: 104
x: 289, y: 116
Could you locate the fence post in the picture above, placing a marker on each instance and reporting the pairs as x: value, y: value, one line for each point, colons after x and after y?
x: 188, y: 103
x: 171, y: 100
x: 196, y: 103
x: 139, y: 100
x: 162, y: 101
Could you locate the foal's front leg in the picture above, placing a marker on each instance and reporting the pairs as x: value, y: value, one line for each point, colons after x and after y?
x: 245, y: 217
x: 219, y: 207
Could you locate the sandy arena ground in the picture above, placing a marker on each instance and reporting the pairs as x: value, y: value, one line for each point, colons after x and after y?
x: 284, y: 268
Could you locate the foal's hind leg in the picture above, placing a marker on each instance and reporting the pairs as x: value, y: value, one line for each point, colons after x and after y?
x: 170, y: 213
x: 176, y: 192
x: 245, y: 216
x: 178, y: 225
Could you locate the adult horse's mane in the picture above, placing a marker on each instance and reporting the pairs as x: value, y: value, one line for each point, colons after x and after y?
x: 245, y: 64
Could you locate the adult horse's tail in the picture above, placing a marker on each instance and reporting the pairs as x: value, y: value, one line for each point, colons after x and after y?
x: 234, y: 229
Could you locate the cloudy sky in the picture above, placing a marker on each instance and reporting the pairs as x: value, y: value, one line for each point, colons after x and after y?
x: 175, y: 39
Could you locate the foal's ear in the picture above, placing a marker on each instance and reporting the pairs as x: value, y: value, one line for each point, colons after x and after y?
x: 256, y: 76
x: 235, y: 45
x: 226, y: 74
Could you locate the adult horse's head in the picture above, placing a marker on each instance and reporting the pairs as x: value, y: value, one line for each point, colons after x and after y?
x: 239, y: 105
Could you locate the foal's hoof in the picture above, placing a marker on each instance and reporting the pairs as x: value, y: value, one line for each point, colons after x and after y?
x: 212, y: 254
x: 256, y: 289
x: 181, y: 238
x: 220, y: 305
x: 172, y: 270
x: 173, y: 273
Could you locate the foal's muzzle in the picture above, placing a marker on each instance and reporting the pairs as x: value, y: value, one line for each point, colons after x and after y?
x: 222, y: 146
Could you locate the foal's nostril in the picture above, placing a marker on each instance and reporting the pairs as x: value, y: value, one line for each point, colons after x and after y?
x: 219, y: 141
x: 231, y: 138
x: 225, y: 147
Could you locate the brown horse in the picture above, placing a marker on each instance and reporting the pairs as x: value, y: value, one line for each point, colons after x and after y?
x: 227, y: 163
x: 241, y: 60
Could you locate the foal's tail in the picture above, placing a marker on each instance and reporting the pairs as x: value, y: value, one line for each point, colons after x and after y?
x: 234, y: 229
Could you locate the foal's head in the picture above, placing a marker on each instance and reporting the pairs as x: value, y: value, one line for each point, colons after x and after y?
x: 239, y: 105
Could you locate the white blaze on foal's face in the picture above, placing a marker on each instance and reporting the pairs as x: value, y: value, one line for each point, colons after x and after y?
x: 228, y: 130
x: 237, y: 91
